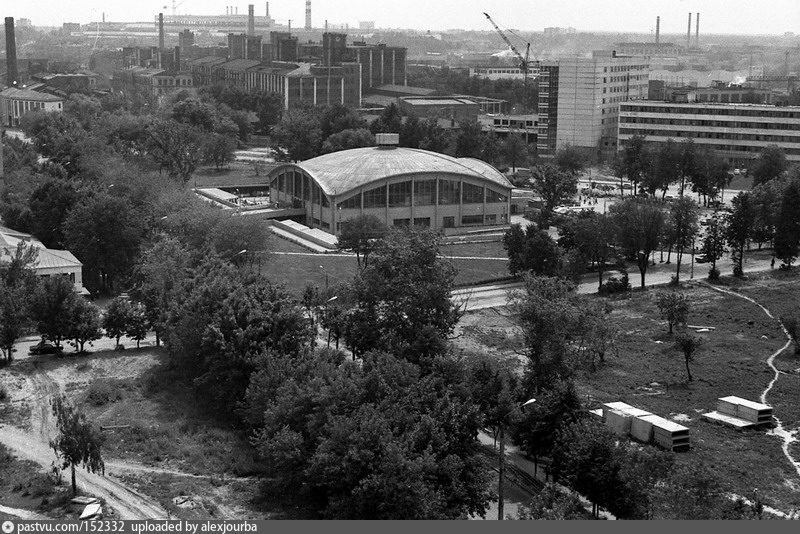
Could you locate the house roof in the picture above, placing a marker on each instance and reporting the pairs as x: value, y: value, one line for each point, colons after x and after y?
x: 343, y: 171
x: 47, y: 259
x: 27, y: 94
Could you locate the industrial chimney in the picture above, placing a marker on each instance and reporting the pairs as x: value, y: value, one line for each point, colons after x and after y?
x: 308, y: 14
x: 161, y: 31
x: 251, y: 20
x: 236, y: 9
x: 658, y: 28
x: 12, y: 74
x: 689, y: 33
x: 268, y: 14
x: 697, y: 31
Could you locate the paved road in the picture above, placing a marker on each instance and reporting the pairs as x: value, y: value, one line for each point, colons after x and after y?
x: 496, y: 295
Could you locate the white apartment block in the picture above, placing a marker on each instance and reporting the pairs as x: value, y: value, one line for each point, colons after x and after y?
x: 737, y: 132
x: 579, y: 98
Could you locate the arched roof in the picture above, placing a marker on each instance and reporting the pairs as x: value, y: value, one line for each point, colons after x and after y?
x: 343, y: 171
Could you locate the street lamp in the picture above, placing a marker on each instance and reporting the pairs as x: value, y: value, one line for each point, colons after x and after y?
x: 500, y: 504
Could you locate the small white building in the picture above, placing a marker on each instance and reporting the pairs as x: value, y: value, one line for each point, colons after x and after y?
x: 14, y: 103
x: 49, y: 262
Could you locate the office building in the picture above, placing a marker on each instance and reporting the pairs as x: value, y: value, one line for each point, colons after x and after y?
x: 14, y: 103
x: 737, y: 132
x: 579, y: 99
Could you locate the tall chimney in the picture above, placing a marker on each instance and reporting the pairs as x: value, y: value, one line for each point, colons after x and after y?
x: 161, y: 31
x: 12, y: 74
x: 227, y: 10
x: 697, y: 31
x: 104, y: 17
x: 251, y: 20
x: 689, y: 33
x: 658, y: 28
x: 268, y: 14
x: 308, y: 14
x: 237, y: 10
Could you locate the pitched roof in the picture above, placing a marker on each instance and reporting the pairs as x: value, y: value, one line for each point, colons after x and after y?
x: 47, y: 259
x: 27, y: 94
x: 343, y: 171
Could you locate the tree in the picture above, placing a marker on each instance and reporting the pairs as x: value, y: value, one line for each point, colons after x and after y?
x: 673, y: 306
x: 117, y: 318
x: 713, y: 245
x: 83, y: 323
x: 514, y: 151
x: 50, y: 204
x: 711, y: 174
x: 664, y: 168
x: 138, y: 325
x: 469, y: 140
x: 338, y: 118
x: 176, y: 146
x: 792, y: 326
x: 689, y: 164
x: 401, y: 302
x: 377, y: 440
x: 530, y: 250
x: 553, y: 504
x: 787, y: 227
x: 348, y: 139
x: 389, y: 121
x: 687, y: 345
x: 13, y: 316
x: 554, y: 186
x: 51, y: 305
x: 639, y: 224
x: 570, y: 160
x: 593, y: 235
x: 77, y: 442
x: 691, y: 491
x: 361, y: 235
x: 218, y: 150
x: 738, y: 228
x: 684, y: 214
x: 770, y: 164
x: 104, y: 233
x: 633, y: 162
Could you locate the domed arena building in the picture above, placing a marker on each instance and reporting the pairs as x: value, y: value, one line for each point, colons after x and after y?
x: 400, y: 186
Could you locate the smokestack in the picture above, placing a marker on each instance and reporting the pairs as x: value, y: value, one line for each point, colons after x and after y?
x: 689, y: 33
x: 237, y: 9
x: 697, y: 31
x: 658, y: 28
x: 308, y: 14
x: 267, y: 11
x: 161, y: 31
x: 251, y: 20
x: 12, y: 74
x: 227, y: 10
x: 104, y: 17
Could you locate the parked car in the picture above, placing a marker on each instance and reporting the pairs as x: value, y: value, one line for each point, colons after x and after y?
x: 45, y: 347
x: 700, y: 259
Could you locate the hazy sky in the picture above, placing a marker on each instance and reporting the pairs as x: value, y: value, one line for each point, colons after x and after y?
x: 717, y: 16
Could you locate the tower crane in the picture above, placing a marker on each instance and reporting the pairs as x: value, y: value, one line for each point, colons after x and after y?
x: 524, y: 64
x: 175, y: 6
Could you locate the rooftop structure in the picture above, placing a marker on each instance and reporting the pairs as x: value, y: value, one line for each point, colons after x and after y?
x: 14, y: 103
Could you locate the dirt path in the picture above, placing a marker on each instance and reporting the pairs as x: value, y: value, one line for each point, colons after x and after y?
x: 22, y: 514
x: 787, y: 436
x: 34, y: 446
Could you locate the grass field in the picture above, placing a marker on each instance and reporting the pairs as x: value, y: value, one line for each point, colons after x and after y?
x: 649, y: 373
x: 25, y: 485
x: 296, y: 271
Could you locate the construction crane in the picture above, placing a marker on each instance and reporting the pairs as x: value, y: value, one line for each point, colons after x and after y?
x: 524, y: 64
x: 175, y: 6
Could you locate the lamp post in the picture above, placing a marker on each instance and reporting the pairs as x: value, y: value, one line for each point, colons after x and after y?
x: 500, y: 503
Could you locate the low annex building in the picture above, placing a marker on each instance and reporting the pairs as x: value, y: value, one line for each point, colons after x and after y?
x: 400, y: 186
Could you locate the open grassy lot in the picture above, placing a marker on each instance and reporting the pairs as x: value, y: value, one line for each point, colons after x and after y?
x: 24, y: 485
x: 649, y: 373
x: 296, y: 271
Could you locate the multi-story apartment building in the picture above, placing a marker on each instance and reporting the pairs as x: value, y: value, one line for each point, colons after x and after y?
x: 737, y: 132
x: 579, y: 98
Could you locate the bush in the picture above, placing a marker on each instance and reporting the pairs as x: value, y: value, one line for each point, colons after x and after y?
x: 616, y: 285
x: 3, y: 393
x: 713, y: 274
x: 103, y: 392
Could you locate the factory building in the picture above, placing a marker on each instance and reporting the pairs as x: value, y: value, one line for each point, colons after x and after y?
x: 14, y: 103
x: 400, y: 186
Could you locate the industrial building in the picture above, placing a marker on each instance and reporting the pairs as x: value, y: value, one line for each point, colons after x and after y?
x: 400, y: 186
x: 454, y: 109
x: 737, y: 132
x: 579, y: 98
x: 14, y: 103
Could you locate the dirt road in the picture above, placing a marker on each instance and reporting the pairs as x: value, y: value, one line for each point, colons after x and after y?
x: 33, y: 445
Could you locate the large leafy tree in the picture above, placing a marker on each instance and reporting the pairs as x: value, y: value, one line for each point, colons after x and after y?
x: 18, y: 283
x: 770, y: 164
x: 739, y: 228
x: 176, y: 147
x: 469, y: 140
x: 664, y: 169
x: 530, y: 250
x: 713, y: 244
x: 84, y: 324
x: 787, y: 227
x: 51, y: 306
x: 593, y: 235
x: 639, y: 225
x: 50, y: 204
x: 77, y: 442
x: 554, y: 186
x: 401, y: 301
x: 375, y: 441
x: 117, y: 318
x: 684, y: 215
x: 570, y: 159
x: 361, y: 235
x: 633, y: 161
x: 347, y: 139
x: 104, y: 233
x: 298, y: 135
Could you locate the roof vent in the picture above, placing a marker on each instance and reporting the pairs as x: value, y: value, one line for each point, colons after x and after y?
x: 387, y: 140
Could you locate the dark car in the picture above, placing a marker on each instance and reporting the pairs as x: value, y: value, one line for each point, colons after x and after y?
x: 700, y: 259
x: 44, y: 347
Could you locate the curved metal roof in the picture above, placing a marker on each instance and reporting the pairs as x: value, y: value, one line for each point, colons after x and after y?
x: 340, y: 172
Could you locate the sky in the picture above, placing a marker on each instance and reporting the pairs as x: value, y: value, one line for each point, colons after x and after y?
x: 634, y: 16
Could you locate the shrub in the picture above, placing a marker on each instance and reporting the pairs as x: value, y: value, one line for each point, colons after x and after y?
x: 616, y: 285
x: 103, y: 392
x: 713, y: 274
x: 3, y: 393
